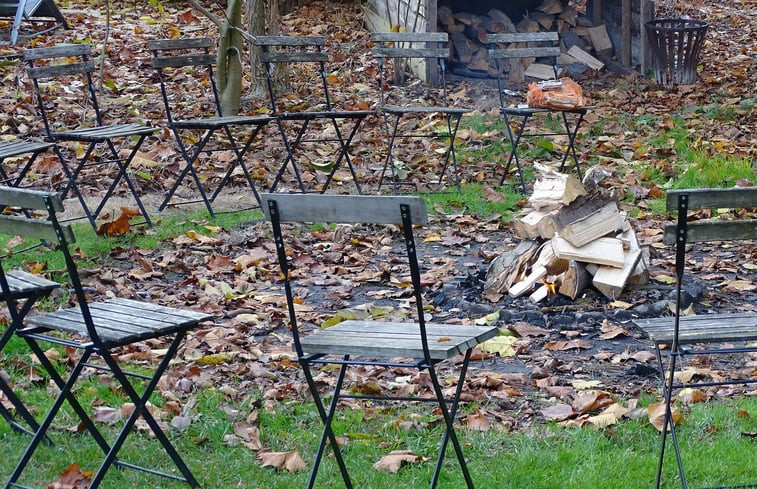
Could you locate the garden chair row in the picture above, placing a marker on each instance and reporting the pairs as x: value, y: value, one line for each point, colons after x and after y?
x: 100, y: 329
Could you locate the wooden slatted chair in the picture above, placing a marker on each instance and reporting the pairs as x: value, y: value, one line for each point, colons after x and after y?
x: 181, y: 61
x: 322, y: 132
x: 71, y: 66
x: 680, y: 336
x: 517, y: 114
x: 98, y: 329
x: 14, y: 149
x: 405, y: 121
x: 414, y: 345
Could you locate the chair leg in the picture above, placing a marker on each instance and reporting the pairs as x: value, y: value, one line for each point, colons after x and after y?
x: 514, y: 142
x: 452, y: 132
x: 72, y: 177
x: 290, y: 148
x: 344, y: 153
x: 239, y: 161
x: 449, y: 419
x: 668, y: 381
x: 20, y: 409
x: 326, y: 418
x: 389, y: 160
x: 140, y: 409
x: 123, y: 165
x: 189, y: 168
x: 571, y: 142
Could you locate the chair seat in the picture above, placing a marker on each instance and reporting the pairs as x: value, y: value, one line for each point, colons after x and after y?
x: 215, y: 122
x: 17, y: 148
x: 325, y: 114
x: 538, y: 110
x: 395, y: 339
x: 24, y: 284
x: 121, y: 321
x: 399, y: 109
x: 101, y: 133
x: 712, y: 328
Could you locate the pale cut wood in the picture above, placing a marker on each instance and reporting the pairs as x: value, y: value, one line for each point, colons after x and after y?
x: 538, y: 272
x: 544, y: 20
x: 568, y: 14
x: 574, y: 280
x: 527, y: 226
x: 600, y: 40
x: 611, y: 281
x: 381, y: 209
x: 603, y: 221
x: 586, y: 58
x: 539, y: 294
x: 553, y: 189
x: 602, y: 251
x: 507, y: 267
x: 551, y: 7
x: 540, y: 71
x: 566, y: 59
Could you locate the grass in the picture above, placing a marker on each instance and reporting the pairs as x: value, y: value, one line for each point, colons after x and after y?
x: 546, y: 456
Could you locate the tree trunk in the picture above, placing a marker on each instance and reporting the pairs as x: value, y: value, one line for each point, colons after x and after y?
x: 256, y: 20
x: 230, y: 59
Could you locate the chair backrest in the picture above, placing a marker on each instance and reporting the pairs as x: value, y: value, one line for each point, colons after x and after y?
x: 405, y: 211
x: 71, y: 66
x: 403, y: 47
x: 27, y: 224
x: 298, y: 52
x: 508, y: 49
x: 182, y: 67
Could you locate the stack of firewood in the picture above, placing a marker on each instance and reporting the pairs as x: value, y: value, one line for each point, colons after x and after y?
x: 575, y: 236
x: 468, y: 31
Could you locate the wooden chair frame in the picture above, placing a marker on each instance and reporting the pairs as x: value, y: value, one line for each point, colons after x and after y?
x: 98, y: 329
x: 365, y: 343
x: 511, y: 46
x: 707, y: 334
x: 194, y: 53
x: 401, y: 47
x: 293, y: 50
x: 56, y: 63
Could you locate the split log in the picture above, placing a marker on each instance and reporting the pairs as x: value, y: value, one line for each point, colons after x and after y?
x: 586, y: 58
x: 597, y: 223
x: 539, y: 294
x: 538, y: 272
x: 574, y: 280
x: 551, y: 7
x: 611, y: 281
x: 553, y: 189
x: 504, y: 270
x: 540, y: 71
x: 600, y: 40
x: 602, y: 251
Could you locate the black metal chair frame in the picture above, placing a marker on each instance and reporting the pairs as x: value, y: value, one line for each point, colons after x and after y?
x: 681, y: 336
x: 20, y: 290
x: 291, y: 50
x: 98, y: 329
x: 400, y: 47
x: 97, y: 134
x: 522, y: 113
x: 189, y: 53
x: 20, y: 148
x: 31, y: 11
x: 373, y: 343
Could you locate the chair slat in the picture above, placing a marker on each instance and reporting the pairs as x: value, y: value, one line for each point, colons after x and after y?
x: 700, y: 232
x: 381, y: 52
x: 409, y: 36
x: 305, y: 57
x: 289, y: 40
x: 186, y: 60
x: 182, y: 43
x: 524, y: 52
x: 59, y: 51
x: 345, y: 209
x: 18, y: 226
x: 509, y: 37
x: 714, y: 198
x: 61, y: 70
x: 713, y: 328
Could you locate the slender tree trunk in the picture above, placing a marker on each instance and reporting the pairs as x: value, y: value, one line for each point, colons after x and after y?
x: 229, y: 64
x: 256, y: 16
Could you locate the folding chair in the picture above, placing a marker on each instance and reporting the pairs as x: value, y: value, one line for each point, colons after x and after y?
x: 74, y: 90
x: 401, y: 120
x: 182, y: 61
x: 98, y: 329
x: 19, y: 290
x: 13, y: 149
x: 31, y: 11
x: 414, y: 345
x: 706, y: 334
x: 320, y: 129
x: 517, y: 46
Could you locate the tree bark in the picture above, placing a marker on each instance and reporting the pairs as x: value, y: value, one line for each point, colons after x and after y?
x: 229, y: 64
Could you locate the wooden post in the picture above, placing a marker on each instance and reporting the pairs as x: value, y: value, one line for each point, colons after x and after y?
x: 646, y: 13
x: 626, y: 44
x: 597, y: 16
x: 433, y: 76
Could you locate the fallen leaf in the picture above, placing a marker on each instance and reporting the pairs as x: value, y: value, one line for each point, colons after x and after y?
x: 393, y: 461
x: 502, y: 345
x: 72, y: 478
x: 567, y: 345
x: 557, y: 412
x: 609, y: 416
x: 656, y: 415
x: 289, y: 461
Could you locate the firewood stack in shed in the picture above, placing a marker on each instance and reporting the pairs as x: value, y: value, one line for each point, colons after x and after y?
x: 581, y: 42
x: 575, y: 236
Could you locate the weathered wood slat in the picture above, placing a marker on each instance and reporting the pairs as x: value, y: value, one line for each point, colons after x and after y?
x: 699, y: 232
x: 710, y: 328
x: 17, y: 148
x: 59, y: 51
x: 216, y: 122
x: 524, y: 52
x: 714, y: 198
x: 398, y: 109
x: 387, y: 340
x: 381, y: 52
x: 296, y: 57
x: 508, y: 37
x: 409, y: 37
x: 183, y: 43
x: 289, y: 40
x: 101, y: 133
x: 17, y: 226
x: 22, y: 283
x: 183, y: 60
x: 29, y: 199
x: 348, y: 209
x: 61, y: 70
